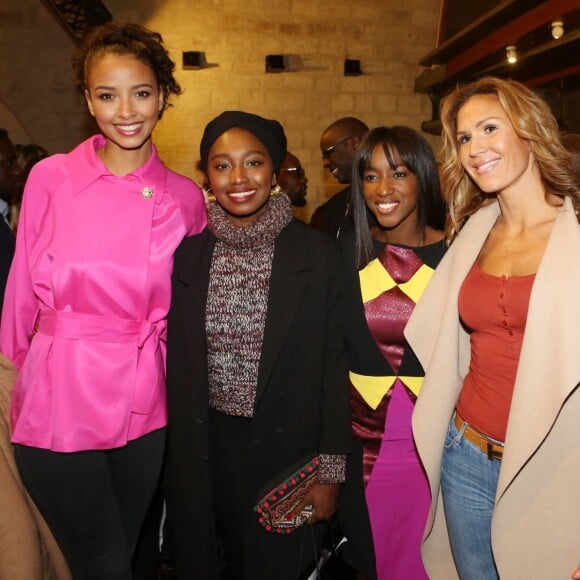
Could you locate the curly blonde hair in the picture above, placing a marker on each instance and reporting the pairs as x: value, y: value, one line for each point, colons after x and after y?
x: 532, y: 121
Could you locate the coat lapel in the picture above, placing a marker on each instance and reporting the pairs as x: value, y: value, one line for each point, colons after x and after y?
x: 290, y: 268
x: 437, y: 337
x: 549, y: 367
x: 191, y: 275
x: 437, y: 307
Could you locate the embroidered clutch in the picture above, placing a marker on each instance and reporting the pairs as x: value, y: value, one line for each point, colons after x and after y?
x: 275, y: 506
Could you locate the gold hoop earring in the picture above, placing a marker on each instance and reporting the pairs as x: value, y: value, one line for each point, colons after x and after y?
x: 276, y: 190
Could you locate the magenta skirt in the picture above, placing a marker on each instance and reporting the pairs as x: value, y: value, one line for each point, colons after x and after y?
x: 398, y: 496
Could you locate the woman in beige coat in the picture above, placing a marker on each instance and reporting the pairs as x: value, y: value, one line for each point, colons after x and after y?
x: 496, y: 423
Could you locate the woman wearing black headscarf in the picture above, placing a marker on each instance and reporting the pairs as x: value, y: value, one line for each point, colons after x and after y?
x: 257, y: 378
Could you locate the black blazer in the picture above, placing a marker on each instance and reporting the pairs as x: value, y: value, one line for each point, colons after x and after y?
x: 335, y: 217
x: 302, y: 400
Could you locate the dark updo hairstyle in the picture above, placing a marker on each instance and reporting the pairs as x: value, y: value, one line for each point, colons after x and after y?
x: 132, y: 40
x: 416, y: 154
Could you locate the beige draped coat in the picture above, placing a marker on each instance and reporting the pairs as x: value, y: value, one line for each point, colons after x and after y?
x: 28, y: 550
x: 536, y: 522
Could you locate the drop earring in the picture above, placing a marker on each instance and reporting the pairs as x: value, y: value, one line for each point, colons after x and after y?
x: 209, y: 195
x: 276, y: 190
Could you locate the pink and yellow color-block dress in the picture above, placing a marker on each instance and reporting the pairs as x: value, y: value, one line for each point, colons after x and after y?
x: 385, y: 380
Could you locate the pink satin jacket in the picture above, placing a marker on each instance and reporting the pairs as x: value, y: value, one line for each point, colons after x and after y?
x: 84, y: 317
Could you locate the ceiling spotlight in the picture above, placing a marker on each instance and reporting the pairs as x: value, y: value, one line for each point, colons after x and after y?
x: 557, y: 29
x: 511, y: 53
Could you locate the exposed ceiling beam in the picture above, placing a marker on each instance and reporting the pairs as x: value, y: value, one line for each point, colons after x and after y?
x: 479, y: 49
x: 510, y: 33
x: 79, y: 16
x: 478, y: 29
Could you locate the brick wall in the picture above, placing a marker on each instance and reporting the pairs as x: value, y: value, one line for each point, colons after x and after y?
x: 38, y: 102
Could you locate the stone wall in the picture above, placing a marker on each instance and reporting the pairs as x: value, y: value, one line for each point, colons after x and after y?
x: 38, y: 102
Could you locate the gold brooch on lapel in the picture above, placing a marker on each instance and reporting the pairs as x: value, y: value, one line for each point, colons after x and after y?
x: 147, y: 193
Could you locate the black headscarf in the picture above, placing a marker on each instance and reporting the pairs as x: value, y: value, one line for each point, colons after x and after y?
x: 268, y: 131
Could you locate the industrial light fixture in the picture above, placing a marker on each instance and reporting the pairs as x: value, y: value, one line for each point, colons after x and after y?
x: 557, y: 29
x: 511, y: 53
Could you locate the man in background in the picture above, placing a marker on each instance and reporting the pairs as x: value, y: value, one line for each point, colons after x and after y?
x: 338, y: 144
x: 293, y: 181
x: 10, y: 173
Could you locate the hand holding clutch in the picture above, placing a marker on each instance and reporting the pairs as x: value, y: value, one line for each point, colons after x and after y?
x: 276, y: 507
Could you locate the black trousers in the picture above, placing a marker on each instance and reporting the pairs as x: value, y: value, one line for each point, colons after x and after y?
x: 230, y: 440
x: 95, y: 501
x: 250, y: 552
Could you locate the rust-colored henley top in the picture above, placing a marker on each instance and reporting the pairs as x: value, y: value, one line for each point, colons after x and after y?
x: 494, y: 309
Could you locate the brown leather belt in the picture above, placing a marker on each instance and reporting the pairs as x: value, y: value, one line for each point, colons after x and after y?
x: 491, y: 448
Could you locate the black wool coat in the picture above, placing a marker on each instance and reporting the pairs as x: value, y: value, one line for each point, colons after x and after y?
x: 302, y: 400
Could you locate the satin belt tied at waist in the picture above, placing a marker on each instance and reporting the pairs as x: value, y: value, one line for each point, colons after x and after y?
x: 75, y: 325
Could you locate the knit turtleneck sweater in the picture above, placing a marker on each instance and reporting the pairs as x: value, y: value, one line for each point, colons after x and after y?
x: 235, y: 313
x: 237, y: 302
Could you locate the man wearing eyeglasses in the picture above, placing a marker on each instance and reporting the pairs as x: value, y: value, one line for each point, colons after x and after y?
x: 293, y: 181
x: 339, y: 144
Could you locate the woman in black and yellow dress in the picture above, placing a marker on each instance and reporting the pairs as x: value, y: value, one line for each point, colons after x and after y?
x: 397, y: 244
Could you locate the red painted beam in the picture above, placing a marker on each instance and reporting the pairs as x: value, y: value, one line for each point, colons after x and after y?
x: 559, y: 74
x: 510, y: 33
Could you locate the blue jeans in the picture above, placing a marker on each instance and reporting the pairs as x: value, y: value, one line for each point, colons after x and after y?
x: 469, y: 484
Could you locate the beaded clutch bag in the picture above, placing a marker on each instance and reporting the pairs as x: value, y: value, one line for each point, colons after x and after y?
x: 275, y: 506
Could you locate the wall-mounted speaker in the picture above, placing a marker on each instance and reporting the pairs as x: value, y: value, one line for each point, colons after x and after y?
x: 193, y: 59
x: 275, y: 63
x: 352, y: 68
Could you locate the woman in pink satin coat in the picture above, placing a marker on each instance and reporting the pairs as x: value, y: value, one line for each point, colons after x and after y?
x: 84, y: 318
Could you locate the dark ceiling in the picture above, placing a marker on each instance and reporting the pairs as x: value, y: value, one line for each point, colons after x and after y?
x: 78, y: 16
x: 473, y: 43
